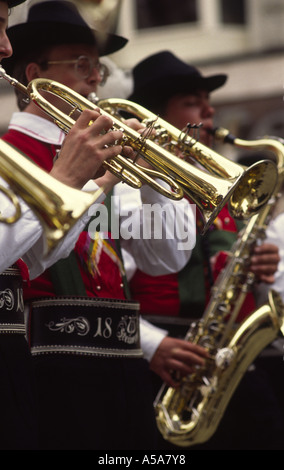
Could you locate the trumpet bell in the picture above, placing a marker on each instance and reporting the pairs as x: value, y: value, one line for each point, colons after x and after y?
x: 254, y: 189
x: 245, y: 190
x: 57, y: 206
x: 245, y: 195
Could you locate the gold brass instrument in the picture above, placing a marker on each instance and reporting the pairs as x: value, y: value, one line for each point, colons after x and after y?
x: 267, y: 143
x: 57, y: 205
x: 190, y: 414
x: 249, y: 189
x: 245, y: 190
x: 120, y: 166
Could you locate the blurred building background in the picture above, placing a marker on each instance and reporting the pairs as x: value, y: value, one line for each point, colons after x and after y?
x: 242, y: 38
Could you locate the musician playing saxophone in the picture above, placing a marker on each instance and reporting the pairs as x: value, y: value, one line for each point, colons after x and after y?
x: 180, y: 94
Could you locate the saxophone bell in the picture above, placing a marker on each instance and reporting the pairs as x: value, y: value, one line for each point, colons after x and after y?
x: 191, y: 414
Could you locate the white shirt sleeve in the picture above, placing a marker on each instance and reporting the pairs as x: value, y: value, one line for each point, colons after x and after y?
x: 151, y: 337
x: 26, y: 239
x: 156, y: 233
x: 18, y: 237
x: 35, y: 259
x: 274, y: 234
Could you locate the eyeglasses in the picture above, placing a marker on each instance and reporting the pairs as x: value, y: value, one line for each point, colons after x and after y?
x: 84, y: 66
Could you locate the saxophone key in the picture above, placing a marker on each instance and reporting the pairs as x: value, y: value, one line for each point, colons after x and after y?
x: 224, y: 358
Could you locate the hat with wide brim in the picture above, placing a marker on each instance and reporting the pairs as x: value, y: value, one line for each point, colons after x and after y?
x: 162, y: 75
x: 52, y: 23
x: 14, y: 3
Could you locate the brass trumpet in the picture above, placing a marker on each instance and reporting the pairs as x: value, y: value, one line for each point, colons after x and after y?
x: 57, y: 206
x: 248, y: 188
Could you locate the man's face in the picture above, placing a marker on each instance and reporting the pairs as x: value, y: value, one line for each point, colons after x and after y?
x: 194, y: 109
x: 5, y: 46
x: 67, y: 74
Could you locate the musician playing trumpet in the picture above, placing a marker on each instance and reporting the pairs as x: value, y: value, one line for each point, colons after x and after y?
x: 94, y: 391
x: 85, y: 149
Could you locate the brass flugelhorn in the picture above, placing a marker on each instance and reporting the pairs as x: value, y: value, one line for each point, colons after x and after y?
x: 249, y: 189
x: 57, y: 206
x: 246, y: 189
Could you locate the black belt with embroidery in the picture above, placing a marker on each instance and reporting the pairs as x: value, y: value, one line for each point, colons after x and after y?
x: 85, y: 326
x: 11, y: 301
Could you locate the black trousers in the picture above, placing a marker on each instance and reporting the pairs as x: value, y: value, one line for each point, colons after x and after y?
x: 18, y: 417
x: 91, y: 403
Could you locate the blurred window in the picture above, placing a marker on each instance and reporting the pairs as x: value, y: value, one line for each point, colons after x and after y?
x: 156, y: 13
x: 233, y: 11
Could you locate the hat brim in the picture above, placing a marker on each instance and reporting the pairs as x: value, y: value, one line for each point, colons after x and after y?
x: 28, y: 36
x: 175, y: 84
x: 14, y: 3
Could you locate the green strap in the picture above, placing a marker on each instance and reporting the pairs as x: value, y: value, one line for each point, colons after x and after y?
x: 126, y: 288
x: 191, y: 280
x: 191, y: 284
x: 221, y: 240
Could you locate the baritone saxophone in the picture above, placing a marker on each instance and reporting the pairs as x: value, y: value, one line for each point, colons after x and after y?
x: 190, y: 414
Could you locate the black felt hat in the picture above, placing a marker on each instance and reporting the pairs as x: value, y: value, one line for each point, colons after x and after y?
x: 162, y: 75
x: 51, y: 23
x: 14, y: 3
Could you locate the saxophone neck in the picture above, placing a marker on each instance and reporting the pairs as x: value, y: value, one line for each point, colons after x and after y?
x: 268, y: 143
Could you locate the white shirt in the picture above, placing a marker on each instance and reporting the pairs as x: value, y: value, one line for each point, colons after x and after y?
x: 164, y: 255
x: 274, y: 234
x: 25, y: 238
x: 163, y: 231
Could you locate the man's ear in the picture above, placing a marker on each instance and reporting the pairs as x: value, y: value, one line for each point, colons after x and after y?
x: 32, y: 71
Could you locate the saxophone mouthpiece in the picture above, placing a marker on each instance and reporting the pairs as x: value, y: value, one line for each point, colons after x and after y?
x: 222, y: 134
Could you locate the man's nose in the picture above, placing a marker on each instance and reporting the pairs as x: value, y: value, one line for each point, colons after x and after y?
x: 208, y: 111
x: 95, y: 75
x: 5, y: 48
